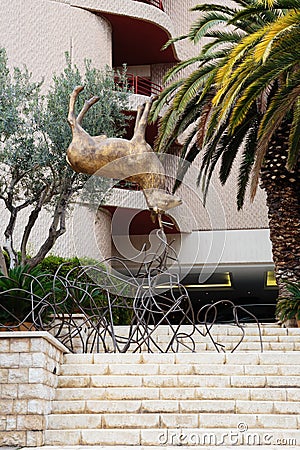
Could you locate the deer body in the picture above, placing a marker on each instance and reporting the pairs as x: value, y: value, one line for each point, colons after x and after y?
x: 119, y: 158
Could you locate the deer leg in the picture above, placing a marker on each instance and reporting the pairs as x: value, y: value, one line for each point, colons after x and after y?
x: 140, y: 110
x: 142, y: 124
x: 86, y: 107
x: 73, y: 96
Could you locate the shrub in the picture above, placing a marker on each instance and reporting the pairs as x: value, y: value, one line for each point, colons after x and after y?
x: 288, y: 308
x: 22, y: 295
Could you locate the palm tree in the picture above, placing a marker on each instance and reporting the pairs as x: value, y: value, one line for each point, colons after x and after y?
x: 244, y: 97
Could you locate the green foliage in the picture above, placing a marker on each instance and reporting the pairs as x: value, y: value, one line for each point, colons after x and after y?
x: 34, y: 137
x: 53, y: 264
x: 18, y: 95
x: 84, y: 290
x: 105, y: 117
x: 21, y: 144
x: 57, y: 286
x: 289, y: 307
x: 243, y: 85
x: 21, y: 294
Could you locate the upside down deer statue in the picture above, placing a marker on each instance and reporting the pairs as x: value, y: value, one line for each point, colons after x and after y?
x: 120, y: 158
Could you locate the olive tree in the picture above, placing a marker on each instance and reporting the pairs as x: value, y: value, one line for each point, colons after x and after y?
x: 34, y: 134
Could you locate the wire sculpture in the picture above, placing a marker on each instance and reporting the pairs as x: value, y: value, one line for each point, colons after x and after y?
x: 83, y: 308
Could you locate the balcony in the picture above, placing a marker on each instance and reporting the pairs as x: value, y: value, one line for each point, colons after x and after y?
x: 139, y: 30
x: 139, y: 85
x: 142, y: 86
x: 157, y: 3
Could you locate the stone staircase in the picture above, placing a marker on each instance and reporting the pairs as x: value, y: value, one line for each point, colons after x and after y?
x: 205, y: 399
x: 198, y: 340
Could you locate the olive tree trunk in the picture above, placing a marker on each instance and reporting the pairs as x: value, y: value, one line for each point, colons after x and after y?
x: 3, y: 266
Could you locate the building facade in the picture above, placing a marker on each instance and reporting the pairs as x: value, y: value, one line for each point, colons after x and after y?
x: 225, y: 253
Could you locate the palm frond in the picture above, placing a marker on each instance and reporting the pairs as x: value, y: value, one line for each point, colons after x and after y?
x: 275, y: 30
x: 236, y: 55
x: 181, y: 66
x: 233, y: 145
x: 203, y: 120
x: 214, y: 7
x: 245, y: 84
x: 235, y: 85
x: 207, y: 22
x: 164, y: 98
x: 189, y: 140
x: 185, y: 163
x: 207, y: 170
x: 280, y: 105
x: 257, y: 14
x: 246, y: 164
x: 282, y: 60
x: 172, y: 124
x: 165, y: 135
x: 279, y: 4
x: 268, y: 3
x: 212, y: 148
x: 189, y: 117
x: 174, y: 40
x: 193, y: 84
x: 225, y: 35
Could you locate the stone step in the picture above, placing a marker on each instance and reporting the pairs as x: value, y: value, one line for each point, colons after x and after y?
x: 198, y: 338
x: 160, y: 381
x: 79, y: 373
x: 228, y: 343
x: 177, y: 399
x: 203, y: 358
x: 169, y: 420
x: 175, y: 406
x: 213, y: 437
x: 208, y: 346
x: 184, y: 393
x: 274, y: 338
x: 217, y: 329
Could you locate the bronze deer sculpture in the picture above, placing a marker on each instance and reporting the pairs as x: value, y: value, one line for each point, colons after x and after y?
x: 133, y: 159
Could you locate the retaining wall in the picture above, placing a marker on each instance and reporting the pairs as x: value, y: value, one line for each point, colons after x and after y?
x: 29, y: 368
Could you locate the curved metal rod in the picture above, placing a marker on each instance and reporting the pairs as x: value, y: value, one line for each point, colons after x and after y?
x: 83, y: 308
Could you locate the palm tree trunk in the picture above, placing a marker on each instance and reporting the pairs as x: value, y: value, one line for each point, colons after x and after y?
x: 283, y: 199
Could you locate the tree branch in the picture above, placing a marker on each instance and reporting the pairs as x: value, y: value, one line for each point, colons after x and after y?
x: 30, y: 223
x: 57, y: 229
x: 8, y: 233
x: 3, y: 263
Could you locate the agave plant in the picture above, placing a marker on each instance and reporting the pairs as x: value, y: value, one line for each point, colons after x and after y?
x: 288, y: 308
x: 23, y: 296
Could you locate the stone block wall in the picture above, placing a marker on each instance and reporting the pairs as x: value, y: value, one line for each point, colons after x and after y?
x: 29, y: 367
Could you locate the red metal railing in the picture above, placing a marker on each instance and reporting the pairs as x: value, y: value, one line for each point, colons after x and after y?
x: 141, y: 85
x: 157, y: 3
